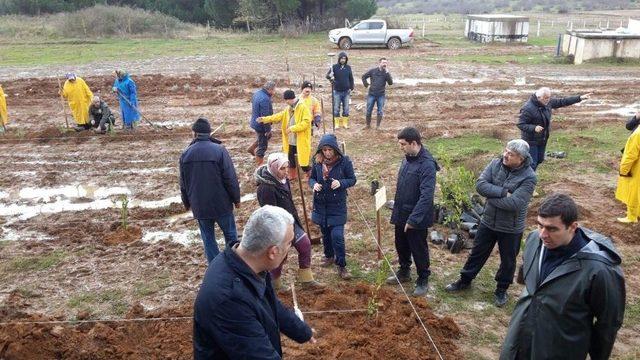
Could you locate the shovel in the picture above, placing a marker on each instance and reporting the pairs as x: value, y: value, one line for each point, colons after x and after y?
x: 142, y: 116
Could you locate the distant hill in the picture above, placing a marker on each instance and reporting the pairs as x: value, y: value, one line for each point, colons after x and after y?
x: 487, y: 6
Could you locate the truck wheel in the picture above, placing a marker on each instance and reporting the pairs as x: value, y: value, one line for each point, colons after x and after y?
x: 344, y: 43
x: 394, y: 44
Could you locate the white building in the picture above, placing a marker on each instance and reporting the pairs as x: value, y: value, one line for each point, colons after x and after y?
x: 497, y: 27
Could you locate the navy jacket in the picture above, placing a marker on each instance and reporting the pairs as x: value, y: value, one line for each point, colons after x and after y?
x: 330, y: 206
x: 533, y: 113
x: 208, y: 182
x: 504, y: 213
x: 413, y: 203
x: 379, y: 81
x: 342, y: 74
x: 238, y: 316
x: 261, y: 105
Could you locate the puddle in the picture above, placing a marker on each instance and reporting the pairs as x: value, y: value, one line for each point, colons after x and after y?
x: 174, y: 123
x: 623, y: 111
x: 185, y: 237
x: 415, y: 82
x: 70, y: 191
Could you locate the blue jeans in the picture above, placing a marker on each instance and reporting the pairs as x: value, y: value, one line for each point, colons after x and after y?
x: 333, y: 243
x: 228, y: 225
x: 373, y: 100
x: 341, y: 98
x: 537, y: 154
x: 263, y: 143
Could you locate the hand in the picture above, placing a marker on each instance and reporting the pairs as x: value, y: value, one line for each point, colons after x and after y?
x: 288, y: 131
x: 259, y: 119
x: 317, y: 187
x: 237, y: 205
x: 539, y: 128
x: 585, y: 96
x: 509, y: 194
x: 407, y: 226
x: 335, y: 184
x: 313, y: 338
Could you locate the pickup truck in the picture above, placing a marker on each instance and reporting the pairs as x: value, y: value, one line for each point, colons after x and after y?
x: 370, y: 32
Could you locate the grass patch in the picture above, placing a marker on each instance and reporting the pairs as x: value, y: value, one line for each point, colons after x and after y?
x: 88, y: 301
x: 466, y: 146
x: 144, y: 288
x: 35, y: 263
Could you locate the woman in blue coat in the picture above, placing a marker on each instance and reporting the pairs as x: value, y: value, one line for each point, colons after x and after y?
x: 331, y: 175
x: 125, y: 88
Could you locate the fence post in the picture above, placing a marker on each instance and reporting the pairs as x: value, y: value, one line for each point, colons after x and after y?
x: 423, y: 27
x: 538, y: 32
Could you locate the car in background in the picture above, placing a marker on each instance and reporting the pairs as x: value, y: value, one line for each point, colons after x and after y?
x: 370, y: 32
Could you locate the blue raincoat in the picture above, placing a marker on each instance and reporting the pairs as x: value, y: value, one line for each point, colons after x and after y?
x: 127, y: 90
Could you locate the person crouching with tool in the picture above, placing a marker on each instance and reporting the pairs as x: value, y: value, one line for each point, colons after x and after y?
x: 274, y: 189
x: 331, y: 175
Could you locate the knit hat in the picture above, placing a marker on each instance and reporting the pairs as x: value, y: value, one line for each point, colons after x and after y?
x: 519, y: 147
x: 201, y: 126
x: 289, y: 95
x: 306, y: 84
x: 275, y: 161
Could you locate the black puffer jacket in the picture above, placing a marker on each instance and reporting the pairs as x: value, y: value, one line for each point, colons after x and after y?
x: 272, y: 192
x: 534, y: 113
x: 503, y: 212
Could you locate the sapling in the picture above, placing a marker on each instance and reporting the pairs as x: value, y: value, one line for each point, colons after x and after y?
x: 380, y: 277
x: 124, y: 211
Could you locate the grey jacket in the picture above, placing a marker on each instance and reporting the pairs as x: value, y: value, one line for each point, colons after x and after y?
x: 504, y: 212
x: 556, y: 319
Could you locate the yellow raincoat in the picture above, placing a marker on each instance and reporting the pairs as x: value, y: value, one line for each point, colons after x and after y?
x: 79, y: 96
x: 302, y: 129
x: 628, y: 190
x: 3, y: 108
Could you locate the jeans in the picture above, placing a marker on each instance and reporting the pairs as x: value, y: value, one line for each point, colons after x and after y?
x: 371, y: 100
x: 508, y: 245
x: 333, y: 243
x: 228, y: 225
x: 263, y: 143
x: 413, y: 243
x: 537, y: 154
x: 341, y: 98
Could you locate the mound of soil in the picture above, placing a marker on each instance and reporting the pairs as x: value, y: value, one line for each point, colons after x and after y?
x: 393, y: 334
x: 123, y: 236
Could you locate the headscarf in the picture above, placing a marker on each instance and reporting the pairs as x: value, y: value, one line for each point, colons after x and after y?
x: 276, y: 161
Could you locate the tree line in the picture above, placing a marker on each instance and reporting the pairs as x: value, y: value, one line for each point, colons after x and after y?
x: 218, y: 13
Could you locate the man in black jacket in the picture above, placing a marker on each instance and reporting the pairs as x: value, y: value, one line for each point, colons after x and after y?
x: 574, y: 296
x: 237, y: 315
x: 507, y: 183
x: 413, y: 209
x: 341, y: 77
x: 209, y: 187
x: 535, y: 120
x: 379, y: 77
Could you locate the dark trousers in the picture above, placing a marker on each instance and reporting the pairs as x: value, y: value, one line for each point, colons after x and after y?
x: 508, y: 245
x: 263, y: 143
x: 537, y: 154
x: 293, y: 150
x: 333, y: 243
x: 413, y: 243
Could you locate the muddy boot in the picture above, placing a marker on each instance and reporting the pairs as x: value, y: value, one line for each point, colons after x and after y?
x: 326, y: 262
x: 378, y: 121
x: 305, y: 277
x: 422, y: 286
x: 368, y: 122
x: 252, y: 149
x: 259, y: 160
x: 404, y: 275
x: 344, y: 273
x: 345, y: 122
x: 630, y: 218
x: 336, y: 122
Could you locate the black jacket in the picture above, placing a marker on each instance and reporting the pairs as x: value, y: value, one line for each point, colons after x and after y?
x: 208, y: 182
x: 413, y: 203
x: 238, y: 316
x: 501, y: 212
x: 272, y: 192
x: 577, y: 310
x: 379, y: 80
x: 632, y: 123
x: 534, y: 113
x: 343, y: 77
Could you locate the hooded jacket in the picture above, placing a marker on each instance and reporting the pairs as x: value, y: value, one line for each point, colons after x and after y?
x: 261, y: 105
x: 208, y: 182
x: 329, y: 205
x: 272, y: 192
x: 555, y: 320
x: 632, y: 123
x: 128, y: 97
x: 534, y: 113
x: 302, y: 129
x: 342, y: 74
x: 79, y: 97
x: 413, y: 202
x: 503, y: 212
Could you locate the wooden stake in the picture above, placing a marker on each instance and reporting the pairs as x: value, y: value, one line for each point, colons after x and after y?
x: 64, y: 108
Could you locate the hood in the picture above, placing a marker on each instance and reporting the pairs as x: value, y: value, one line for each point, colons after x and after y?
x: 205, y: 137
x: 329, y: 140
x: 601, y: 248
x: 343, y: 54
x: 263, y: 176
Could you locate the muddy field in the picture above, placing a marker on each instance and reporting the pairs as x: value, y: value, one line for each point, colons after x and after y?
x: 65, y: 257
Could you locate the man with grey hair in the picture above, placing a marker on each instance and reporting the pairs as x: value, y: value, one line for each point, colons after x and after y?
x: 507, y: 183
x: 236, y: 313
x: 535, y: 120
x: 261, y: 105
x: 100, y: 115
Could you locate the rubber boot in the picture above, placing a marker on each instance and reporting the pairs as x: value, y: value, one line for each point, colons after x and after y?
x: 293, y: 173
x: 378, y: 121
x: 368, y: 122
x: 336, y: 122
x: 345, y: 122
x: 305, y: 277
x: 252, y: 148
x: 259, y: 160
x: 630, y: 218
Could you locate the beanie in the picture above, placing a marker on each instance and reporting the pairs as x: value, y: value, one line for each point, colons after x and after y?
x: 306, y: 84
x: 289, y: 95
x: 201, y: 126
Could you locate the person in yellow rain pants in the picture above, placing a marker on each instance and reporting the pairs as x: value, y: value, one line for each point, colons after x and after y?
x: 4, y: 118
x: 628, y: 190
x: 79, y: 96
